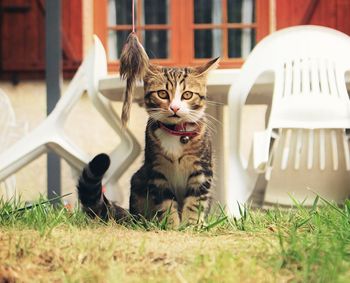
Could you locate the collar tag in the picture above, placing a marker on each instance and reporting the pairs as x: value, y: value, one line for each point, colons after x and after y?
x: 184, y: 139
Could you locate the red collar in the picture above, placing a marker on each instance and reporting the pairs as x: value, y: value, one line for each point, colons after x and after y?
x: 178, y: 130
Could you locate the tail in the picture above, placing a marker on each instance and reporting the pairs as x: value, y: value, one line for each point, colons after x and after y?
x: 93, y: 201
x: 133, y: 66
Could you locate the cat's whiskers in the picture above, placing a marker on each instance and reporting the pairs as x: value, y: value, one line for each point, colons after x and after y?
x: 199, y: 121
x: 213, y: 118
x: 213, y: 125
x: 210, y: 127
x: 196, y: 122
x: 198, y: 116
x: 151, y: 122
x: 193, y: 117
x: 212, y: 102
x: 158, y: 109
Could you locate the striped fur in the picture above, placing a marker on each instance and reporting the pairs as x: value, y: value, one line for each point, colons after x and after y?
x: 176, y: 178
x: 94, y: 203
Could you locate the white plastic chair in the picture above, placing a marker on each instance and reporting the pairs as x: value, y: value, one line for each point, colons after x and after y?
x: 50, y: 135
x: 305, y: 143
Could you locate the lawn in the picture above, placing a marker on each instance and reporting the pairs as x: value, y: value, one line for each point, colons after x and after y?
x: 52, y: 244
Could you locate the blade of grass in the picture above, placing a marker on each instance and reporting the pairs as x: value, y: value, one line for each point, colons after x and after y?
x: 212, y: 225
x: 40, y: 203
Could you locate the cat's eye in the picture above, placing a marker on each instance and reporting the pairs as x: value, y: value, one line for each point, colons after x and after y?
x: 162, y: 94
x: 187, y: 95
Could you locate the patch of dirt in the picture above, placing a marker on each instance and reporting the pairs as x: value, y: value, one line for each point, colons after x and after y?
x: 79, y: 255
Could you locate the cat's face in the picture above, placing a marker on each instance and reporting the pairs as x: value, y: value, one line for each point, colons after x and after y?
x: 176, y: 95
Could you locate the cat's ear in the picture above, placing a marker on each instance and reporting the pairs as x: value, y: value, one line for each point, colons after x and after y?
x: 203, y: 70
x: 153, y: 70
x: 134, y: 64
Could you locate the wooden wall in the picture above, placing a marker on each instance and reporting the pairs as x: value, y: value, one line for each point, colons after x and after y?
x: 330, y: 13
x: 23, y: 38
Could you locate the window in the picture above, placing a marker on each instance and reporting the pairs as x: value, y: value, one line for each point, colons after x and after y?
x: 183, y: 32
x: 152, y: 25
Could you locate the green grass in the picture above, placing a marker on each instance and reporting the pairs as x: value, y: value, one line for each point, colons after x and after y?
x: 46, y: 243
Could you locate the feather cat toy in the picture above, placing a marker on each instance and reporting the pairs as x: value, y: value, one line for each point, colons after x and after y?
x: 134, y: 64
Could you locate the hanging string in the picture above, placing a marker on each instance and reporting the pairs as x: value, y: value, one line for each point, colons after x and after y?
x: 133, y: 15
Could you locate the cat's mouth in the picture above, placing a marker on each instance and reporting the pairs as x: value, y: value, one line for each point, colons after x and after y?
x: 172, y: 127
x: 174, y: 116
x: 181, y: 129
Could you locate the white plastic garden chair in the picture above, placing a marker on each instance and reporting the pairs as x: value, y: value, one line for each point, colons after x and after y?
x: 305, y: 143
x: 50, y: 135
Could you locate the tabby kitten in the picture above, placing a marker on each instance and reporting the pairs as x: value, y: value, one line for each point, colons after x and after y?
x: 176, y: 177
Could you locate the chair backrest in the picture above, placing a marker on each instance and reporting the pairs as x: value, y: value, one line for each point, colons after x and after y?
x: 97, y: 67
x: 309, y: 63
x: 77, y: 86
x: 299, y: 42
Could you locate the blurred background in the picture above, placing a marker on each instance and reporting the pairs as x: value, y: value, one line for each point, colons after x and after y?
x: 174, y: 33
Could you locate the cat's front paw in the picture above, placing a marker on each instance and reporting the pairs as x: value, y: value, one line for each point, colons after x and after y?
x: 192, y: 218
x: 173, y: 221
x: 193, y: 211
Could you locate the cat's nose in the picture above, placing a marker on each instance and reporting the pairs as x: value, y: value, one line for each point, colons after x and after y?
x: 174, y: 108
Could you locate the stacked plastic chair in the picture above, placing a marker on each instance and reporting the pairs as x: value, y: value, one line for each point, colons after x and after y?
x: 50, y: 134
x: 304, y: 149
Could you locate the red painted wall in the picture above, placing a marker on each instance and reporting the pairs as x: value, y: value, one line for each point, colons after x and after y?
x: 330, y: 13
x: 23, y: 37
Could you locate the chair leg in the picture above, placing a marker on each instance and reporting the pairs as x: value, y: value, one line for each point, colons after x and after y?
x: 241, y: 181
x: 241, y: 185
x: 21, y: 153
